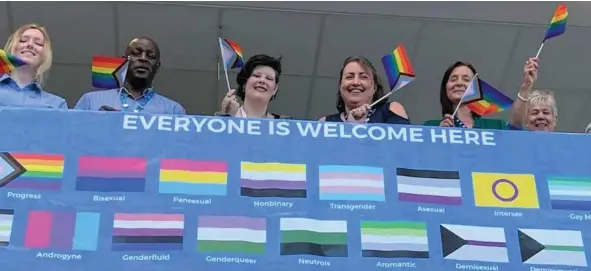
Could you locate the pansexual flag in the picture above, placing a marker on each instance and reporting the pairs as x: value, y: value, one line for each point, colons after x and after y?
x: 109, y: 72
x: 398, y: 68
x: 327, y: 238
x: 111, y: 174
x: 552, y: 247
x: 273, y: 180
x: 351, y: 183
x: 148, y: 232
x: 193, y: 177
x: 62, y: 230
x: 31, y: 171
x: 472, y: 243
x: 558, y: 23
x: 429, y: 186
x: 6, y: 217
x: 8, y: 62
x: 505, y: 190
x: 570, y: 193
x: 231, y: 234
x: 394, y: 239
x: 231, y: 54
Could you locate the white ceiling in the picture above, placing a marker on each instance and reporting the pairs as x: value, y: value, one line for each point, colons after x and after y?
x: 314, y: 38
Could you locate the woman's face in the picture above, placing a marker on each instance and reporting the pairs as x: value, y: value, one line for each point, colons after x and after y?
x: 357, y: 87
x: 458, y: 82
x: 541, y: 118
x: 261, y: 85
x: 30, y: 47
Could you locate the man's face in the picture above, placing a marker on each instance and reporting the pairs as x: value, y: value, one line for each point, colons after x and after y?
x: 144, y: 59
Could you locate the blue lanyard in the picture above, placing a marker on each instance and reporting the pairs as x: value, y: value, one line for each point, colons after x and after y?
x: 141, y: 103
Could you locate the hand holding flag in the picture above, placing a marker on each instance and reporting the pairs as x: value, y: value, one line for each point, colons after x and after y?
x: 109, y: 72
x: 8, y: 62
x: 557, y: 25
x: 398, y: 70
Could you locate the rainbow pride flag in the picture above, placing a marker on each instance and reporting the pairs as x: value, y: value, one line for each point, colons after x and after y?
x: 111, y: 174
x: 398, y: 68
x: 493, y: 100
x: 473, y: 92
x: 32, y: 171
x: 231, y: 54
x: 108, y: 72
x: 193, y: 177
x: 558, y: 23
x: 8, y: 62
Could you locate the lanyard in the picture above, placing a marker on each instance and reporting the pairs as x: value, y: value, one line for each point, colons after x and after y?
x: 141, y: 103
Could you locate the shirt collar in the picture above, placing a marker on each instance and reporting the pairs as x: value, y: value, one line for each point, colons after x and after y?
x: 5, y: 78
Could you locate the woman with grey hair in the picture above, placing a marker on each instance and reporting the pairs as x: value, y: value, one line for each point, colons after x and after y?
x: 534, y: 110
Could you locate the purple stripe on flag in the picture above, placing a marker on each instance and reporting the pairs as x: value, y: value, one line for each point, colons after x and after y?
x: 270, y: 184
x: 147, y: 232
x: 486, y: 244
x: 232, y: 222
x: 62, y: 230
x: 430, y: 199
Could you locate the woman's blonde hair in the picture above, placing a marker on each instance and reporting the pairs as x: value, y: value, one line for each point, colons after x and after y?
x: 14, y: 39
x: 543, y: 97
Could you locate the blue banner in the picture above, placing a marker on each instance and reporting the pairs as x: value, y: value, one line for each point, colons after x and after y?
x: 115, y: 191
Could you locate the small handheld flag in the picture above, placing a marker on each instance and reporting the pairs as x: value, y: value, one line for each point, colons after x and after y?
x: 557, y: 25
x: 398, y: 70
x: 231, y: 56
x: 473, y: 93
x: 109, y: 72
x: 493, y: 101
x: 8, y: 62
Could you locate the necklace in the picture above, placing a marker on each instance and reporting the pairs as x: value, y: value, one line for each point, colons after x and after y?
x: 344, y: 115
x: 244, y: 115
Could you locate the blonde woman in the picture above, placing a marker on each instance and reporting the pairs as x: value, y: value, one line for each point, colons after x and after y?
x: 535, y: 109
x: 23, y: 86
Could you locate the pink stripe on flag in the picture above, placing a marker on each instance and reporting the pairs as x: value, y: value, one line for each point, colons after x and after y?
x: 125, y: 164
x: 341, y: 176
x: 149, y: 217
x: 352, y: 189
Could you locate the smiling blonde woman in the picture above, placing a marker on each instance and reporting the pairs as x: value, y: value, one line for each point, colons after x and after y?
x: 23, y: 87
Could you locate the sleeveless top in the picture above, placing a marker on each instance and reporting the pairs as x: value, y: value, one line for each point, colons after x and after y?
x: 381, y: 114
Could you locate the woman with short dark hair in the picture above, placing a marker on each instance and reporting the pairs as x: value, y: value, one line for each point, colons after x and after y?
x: 258, y: 84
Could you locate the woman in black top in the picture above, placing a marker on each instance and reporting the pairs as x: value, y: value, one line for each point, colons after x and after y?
x: 258, y: 84
x: 359, y: 86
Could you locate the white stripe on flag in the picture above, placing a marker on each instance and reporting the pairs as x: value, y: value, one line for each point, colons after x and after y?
x: 220, y: 234
x: 306, y: 224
